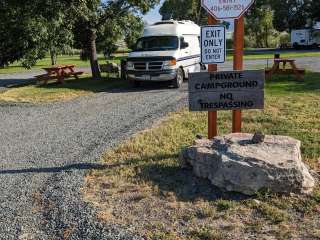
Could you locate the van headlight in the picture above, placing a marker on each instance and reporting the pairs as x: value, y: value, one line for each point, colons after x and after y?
x: 130, y: 65
x: 170, y: 64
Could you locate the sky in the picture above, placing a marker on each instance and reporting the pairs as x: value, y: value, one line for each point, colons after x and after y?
x: 154, y: 15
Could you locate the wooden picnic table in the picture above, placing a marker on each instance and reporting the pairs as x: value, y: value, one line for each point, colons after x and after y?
x: 279, y: 67
x: 60, y: 73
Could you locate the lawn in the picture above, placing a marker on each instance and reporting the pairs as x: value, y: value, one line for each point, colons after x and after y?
x: 143, y: 188
x: 55, y: 92
x: 65, y: 59
x: 62, y: 60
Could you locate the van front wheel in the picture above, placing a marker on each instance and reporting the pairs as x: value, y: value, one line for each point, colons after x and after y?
x: 177, y: 82
x: 135, y: 83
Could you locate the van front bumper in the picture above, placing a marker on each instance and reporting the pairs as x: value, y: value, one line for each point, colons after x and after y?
x: 156, y: 76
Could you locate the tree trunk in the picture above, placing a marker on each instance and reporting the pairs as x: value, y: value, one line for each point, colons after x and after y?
x: 96, y: 74
x: 199, y: 14
x: 266, y: 37
x: 53, y: 56
x: 257, y: 42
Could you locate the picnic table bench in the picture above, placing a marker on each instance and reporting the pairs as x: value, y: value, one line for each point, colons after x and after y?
x: 279, y: 68
x: 60, y: 73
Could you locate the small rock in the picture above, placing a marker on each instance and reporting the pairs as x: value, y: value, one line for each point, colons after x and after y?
x: 315, y: 174
x: 182, y: 160
x: 199, y: 136
x: 293, y: 195
x: 26, y: 236
x: 256, y: 201
x: 258, y: 138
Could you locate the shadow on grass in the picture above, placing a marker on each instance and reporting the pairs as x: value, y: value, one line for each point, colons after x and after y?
x: 20, y: 69
x: 110, y: 84
x: 76, y: 166
x: 185, y: 185
x: 88, y: 84
x: 276, y: 84
x: 289, y: 83
x: 11, y: 83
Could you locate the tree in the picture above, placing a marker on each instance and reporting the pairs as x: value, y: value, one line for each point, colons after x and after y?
x: 95, y: 15
x: 294, y: 14
x: 21, y: 34
x: 267, y: 25
x: 29, y: 31
x: 133, y: 30
x: 259, y: 23
x: 191, y: 10
x: 60, y: 37
x: 315, y: 10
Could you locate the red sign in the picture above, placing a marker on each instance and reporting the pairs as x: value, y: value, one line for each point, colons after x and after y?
x: 226, y: 9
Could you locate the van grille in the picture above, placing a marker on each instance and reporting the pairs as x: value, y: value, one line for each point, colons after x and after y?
x: 155, y: 66
x: 140, y: 66
x: 145, y: 66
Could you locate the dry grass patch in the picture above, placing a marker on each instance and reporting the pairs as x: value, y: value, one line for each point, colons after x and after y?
x: 146, y: 191
x: 35, y: 94
x: 55, y: 92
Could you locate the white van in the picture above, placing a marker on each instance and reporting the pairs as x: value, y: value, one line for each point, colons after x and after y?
x: 167, y: 51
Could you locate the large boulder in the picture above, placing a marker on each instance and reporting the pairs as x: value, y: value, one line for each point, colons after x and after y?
x: 236, y: 162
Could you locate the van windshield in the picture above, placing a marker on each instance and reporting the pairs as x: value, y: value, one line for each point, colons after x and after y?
x: 157, y: 43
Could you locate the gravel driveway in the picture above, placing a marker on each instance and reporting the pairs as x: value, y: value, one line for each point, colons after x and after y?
x: 45, y: 151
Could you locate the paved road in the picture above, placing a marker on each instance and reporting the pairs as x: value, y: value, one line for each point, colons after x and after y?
x: 310, y: 63
x: 45, y: 150
x: 277, y: 50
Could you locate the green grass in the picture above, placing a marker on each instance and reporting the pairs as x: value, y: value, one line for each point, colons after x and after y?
x: 64, y: 59
x: 177, y: 205
x: 54, y: 92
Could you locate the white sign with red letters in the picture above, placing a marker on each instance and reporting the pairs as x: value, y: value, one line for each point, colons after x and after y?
x: 226, y: 9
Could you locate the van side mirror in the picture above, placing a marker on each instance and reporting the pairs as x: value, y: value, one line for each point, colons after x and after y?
x: 184, y: 45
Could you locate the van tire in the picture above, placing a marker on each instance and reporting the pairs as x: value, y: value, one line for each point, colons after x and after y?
x: 177, y: 82
x: 135, y: 83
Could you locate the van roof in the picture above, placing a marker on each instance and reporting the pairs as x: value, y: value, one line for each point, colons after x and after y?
x: 172, y: 28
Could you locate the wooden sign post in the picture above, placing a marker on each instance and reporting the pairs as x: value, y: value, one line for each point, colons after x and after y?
x: 238, y: 45
x: 218, y: 9
x: 212, y: 116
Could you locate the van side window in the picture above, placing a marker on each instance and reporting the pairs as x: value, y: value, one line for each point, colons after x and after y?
x: 193, y: 40
x: 181, y: 41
